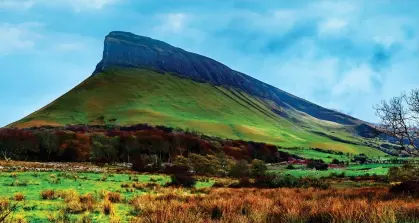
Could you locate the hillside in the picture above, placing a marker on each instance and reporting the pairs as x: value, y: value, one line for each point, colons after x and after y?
x: 141, y: 80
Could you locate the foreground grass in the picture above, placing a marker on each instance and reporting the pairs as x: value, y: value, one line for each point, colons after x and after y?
x: 110, y: 196
x: 141, y: 202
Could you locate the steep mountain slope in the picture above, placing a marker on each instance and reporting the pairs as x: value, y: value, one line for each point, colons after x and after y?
x: 124, y: 49
x: 141, y: 80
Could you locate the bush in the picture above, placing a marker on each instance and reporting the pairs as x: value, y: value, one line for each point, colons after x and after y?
x: 204, y: 165
x: 404, y: 173
x: 289, y: 181
x: 317, y: 164
x: 290, y: 167
x: 239, y: 169
x: 218, y: 185
x: 184, y: 180
x: 258, y: 168
x: 407, y: 187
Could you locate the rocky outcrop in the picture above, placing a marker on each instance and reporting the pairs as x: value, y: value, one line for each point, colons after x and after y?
x: 127, y: 50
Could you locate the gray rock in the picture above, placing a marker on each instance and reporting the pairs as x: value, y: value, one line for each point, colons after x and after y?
x: 123, y: 49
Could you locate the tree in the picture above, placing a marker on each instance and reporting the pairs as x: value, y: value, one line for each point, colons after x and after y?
x: 258, y: 168
x: 104, y: 149
x: 239, y: 170
x: 204, y: 165
x: 400, y: 120
x: 48, y: 142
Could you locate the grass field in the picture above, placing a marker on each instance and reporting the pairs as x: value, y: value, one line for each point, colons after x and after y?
x: 352, y: 170
x: 36, y: 209
x: 131, y: 96
x: 65, y: 196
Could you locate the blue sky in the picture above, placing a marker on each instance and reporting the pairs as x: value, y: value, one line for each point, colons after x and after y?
x: 344, y: 55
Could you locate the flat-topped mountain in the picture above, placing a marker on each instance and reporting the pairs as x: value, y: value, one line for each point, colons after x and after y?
x: 142, y: 80
x: 123, y: 49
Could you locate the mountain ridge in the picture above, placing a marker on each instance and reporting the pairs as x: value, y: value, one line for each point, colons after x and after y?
x: 124, y: 49
x: 145, y: 81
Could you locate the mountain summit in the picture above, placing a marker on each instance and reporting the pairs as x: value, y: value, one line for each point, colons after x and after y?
x: 124, y: 49
x: 142, y: 80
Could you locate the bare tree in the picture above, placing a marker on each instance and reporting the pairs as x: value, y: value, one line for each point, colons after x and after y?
x: 400, y: 119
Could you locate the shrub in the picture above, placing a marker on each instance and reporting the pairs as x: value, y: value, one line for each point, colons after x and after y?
x: 184, y: 180
x: 218, y: 185
x: 289, y: 181
x: 407, y: 187
x: 317, y: 164
x: 204, y: 165
x: 258, y: 168
x: 290, y: 167
x: 239, y: 169
x: 48, y: 195
x: 404, y: 173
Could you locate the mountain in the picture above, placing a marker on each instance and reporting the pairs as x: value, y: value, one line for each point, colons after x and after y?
x: 142, y: 80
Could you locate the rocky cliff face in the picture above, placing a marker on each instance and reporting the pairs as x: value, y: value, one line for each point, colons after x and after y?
x: 127, y: 50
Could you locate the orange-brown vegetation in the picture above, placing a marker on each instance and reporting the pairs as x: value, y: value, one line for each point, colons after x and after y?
x: 275, y: 205
x: 19, y: 197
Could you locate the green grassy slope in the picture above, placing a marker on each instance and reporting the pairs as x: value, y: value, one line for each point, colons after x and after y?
x: 133, y: 96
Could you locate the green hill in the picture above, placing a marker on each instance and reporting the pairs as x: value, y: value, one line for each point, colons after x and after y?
x: 133, y: 96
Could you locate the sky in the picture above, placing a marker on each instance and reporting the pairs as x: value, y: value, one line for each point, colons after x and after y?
x: 345, y: 55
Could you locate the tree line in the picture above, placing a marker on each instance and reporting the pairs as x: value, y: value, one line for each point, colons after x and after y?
x: 140, y: 144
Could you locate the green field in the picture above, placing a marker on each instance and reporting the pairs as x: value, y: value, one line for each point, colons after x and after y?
x: 35, y: 209
x: 352, y: 170
x: 132, y: 96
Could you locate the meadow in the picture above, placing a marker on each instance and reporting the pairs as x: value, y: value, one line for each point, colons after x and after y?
x: 115, y: 194
x: 354, y: 170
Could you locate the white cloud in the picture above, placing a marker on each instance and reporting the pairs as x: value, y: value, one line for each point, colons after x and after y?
x: 76, y: 5
x: 173, y: 22
x: 332, y: 26
x: 71, y: 46
x: 18, y: 37
x: 80, y: 5
x: 358, y: 79
x: 16, y: 4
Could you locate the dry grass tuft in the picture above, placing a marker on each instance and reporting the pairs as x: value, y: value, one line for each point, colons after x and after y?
x: 19, y: 197
x: 4, y: 204
x: 114, y: 197
x: 48, y: 195
x: 108, y: 208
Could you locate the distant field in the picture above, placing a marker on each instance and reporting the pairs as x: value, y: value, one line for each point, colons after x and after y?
x: 132, y: 96
x: 352, y: 170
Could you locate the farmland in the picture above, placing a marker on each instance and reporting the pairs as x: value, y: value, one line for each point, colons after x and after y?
x: 116, y: 194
